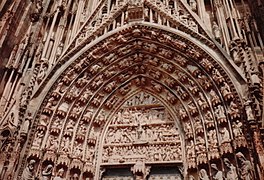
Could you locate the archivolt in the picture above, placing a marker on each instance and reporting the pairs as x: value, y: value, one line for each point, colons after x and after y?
x: 194, y: 86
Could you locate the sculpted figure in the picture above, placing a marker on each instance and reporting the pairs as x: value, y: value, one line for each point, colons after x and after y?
x: 203, y: 175
x: 225, y: 89
x: 200, y: 146
x: 60, y: 175
x: 70, y: 125
x: 212, y: 138
x: 216, y: 31
x: 231, y: 173
x: 220, y: 112
x: 225, y: 135
x: 190, y: 150
x: 237, y: 129
x: 193, y: 5
x: 245, y: 167
x: 249, y: 112
x: 65, y: 145
x: 214, y: 97
x: 47, y: 172
x: 42, y: 72
x: 38, y: 139
x: 217, y: 175
x: 28, y: 173
x: 25, y: 126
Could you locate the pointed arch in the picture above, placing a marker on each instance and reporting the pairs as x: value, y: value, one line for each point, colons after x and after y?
x: 197, y: 85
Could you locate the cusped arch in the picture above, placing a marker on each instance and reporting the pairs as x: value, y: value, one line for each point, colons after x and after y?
x: 195, y: 83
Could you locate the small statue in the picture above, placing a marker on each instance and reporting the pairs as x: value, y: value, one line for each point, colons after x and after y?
x: 231, y: 173
x: 216, y: 32
x: 225, y: 135
x: 47, y: 173
x: 245, y: 167
x: 203, y: 175
x: 217, y: 175
x: 28, y: 173
x: 59, y: 174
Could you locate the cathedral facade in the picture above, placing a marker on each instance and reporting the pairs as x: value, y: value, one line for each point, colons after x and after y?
x: 131, y: 89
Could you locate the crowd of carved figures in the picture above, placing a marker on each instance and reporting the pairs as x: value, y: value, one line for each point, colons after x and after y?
x: 147, y: 133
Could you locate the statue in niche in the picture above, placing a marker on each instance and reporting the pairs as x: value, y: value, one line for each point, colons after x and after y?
x: 200, y: 146
x: 52, y: 143
x: 198, y: 125
x: 51, y: 102
x: 202, y: 101
x: 77, y: 152
x: 214, y: 97
x: 203, y: 175
x: 60, y: 88
x: 231, y: 173
x: 82, y: 128
x: 225, y: 89
x: 249, y: 112
x: 225, y: 137
x: 192, y: 108
x: 217, y: 76
x: 28, y: 173
x: 57, y: 123
x: 212, y: 138
x: 245, y: 167
x: 77, y: 109
x: 216, y: 32
x: 233, y: 110
x: 216, y: 173
x: 70, y: 125
x: 190, y: 150
x: 65, y: 145
x: 209, y: 120
x: 188, y: 129
x: 237, y: 130
x: 38, y: 138
x: 182, y: 113
x: 220, y: 113
x: 47, y: 172
x: 59, y: 175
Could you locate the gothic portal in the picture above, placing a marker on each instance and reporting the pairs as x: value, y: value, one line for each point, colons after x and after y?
x: 124, y: 90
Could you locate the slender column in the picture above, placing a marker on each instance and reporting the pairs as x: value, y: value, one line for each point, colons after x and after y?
x: 44, y: 52
x: 11, y: 92
x: 5, y: 94
x: 201, y: 10
x: 236, y: 15
x: 59, y: 33
x: 233, y: 29
x: 77, y: 19
x: 67, y: 42
x: 150, y: 15
x: 222, y: 24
